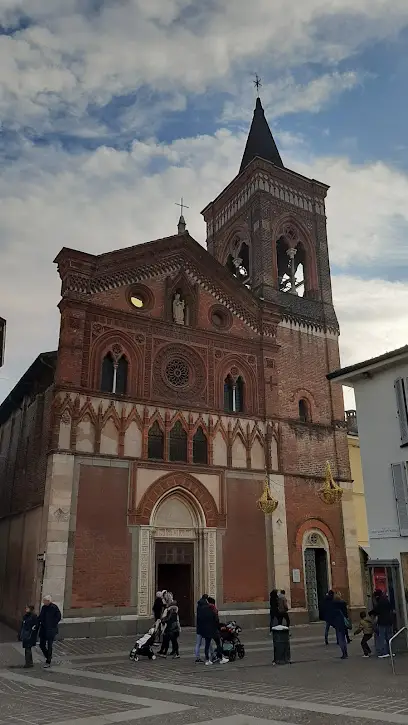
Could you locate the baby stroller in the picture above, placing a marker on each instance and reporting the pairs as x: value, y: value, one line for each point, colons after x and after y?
x: 232, y: 646
x: 143, y: 647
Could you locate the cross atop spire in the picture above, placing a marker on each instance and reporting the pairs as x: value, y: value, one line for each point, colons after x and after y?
x: 257, y: 83
x: 260, y: 141
x: 182, y: 222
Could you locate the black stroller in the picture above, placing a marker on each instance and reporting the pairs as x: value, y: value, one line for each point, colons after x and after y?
x: 143, y: 647
x: 232, y: 646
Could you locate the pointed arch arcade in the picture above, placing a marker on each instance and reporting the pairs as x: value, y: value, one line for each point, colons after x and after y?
x: 289, y: 232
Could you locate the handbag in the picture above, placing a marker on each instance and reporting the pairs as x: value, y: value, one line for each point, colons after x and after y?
x: 348, y: 624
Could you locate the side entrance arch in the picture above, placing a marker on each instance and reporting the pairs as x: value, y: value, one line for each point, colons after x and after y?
x: 317, y: 572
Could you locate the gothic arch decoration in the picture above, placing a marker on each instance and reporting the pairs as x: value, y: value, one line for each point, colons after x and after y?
x: 184, y: 482
x: 295, y: 263
x: 236, y: 255
x: 119, y: 344
x: 198, y: 519
x: 310, y: 525
x: 188, y: 295
x: 236, y: 368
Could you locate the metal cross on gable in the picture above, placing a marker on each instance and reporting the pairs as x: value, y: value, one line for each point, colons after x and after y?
x: 182, y: 205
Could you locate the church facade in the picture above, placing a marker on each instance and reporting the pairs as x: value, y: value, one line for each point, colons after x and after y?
x: 188, y: 382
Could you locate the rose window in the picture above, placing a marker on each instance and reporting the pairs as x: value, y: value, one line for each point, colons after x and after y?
x: 177, y: 373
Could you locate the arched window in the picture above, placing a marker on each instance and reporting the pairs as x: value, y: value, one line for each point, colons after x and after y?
x: 229, y: 394
x: 200, y: 447
x: 121, y: 376
x: 304, y: 411
x: 239, y: 395
x: 291, y: 263
x: 178, y: 443
x: 233, y: 395
x: 238, y: 264
x: 108, y: 374
x: 155, y: 443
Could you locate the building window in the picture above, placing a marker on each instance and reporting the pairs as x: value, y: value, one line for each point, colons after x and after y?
x: 121, y: 376
x: 200, y: 447
x: 114, y: 375
x: 400, y: 481
x: 178, y: 443
x: 233, y: 395
x: 304, y: 411
x: 401, y: 392
x: 155, y: 443
x: 108, y: 370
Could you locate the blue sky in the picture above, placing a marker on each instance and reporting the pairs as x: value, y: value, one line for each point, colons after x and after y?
x: 112, y: 110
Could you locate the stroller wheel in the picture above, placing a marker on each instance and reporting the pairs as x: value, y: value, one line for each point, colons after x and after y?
x: 136, y: 659
x: 154, y: 657
x: 232, y: 656
x: 241, y: 653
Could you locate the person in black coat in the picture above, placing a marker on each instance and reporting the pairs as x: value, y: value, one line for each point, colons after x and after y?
x: 328, y: 612
x: 158, y: 607
x: 340, y: 617
x: 208, y: 629
x: 273, y: 608
x: 383, y: 611
x: 50, y: 617
x: 28, y: 634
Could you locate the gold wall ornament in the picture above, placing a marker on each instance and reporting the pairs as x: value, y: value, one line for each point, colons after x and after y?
x: 266, y: 503
x: 331, y: 492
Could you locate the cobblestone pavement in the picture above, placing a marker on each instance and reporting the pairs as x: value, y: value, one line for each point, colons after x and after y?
x: 94, y: 683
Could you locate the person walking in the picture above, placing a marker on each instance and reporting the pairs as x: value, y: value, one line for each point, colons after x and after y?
x: 366, y: 626
x: 50, y: 617
x: 383, y: 612
x: 341, y: 623
x: 28, y: 634
x: 199, y: 637
x: 172, y: 632
x: 273, y: 609
x: 283, y: 608
x: 328, y: 610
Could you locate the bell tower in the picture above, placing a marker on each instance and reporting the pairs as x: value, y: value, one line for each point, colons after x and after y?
x: 268, y: 226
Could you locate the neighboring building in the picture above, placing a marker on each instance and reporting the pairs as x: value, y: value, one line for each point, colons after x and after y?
x: 381, y: 390
x: 184, y: 379
x: 360, y: 509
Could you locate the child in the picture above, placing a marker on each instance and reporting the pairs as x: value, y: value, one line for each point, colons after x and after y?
x: 28, y: 634
x: 366, y: 626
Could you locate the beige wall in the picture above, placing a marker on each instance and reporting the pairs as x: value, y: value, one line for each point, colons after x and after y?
x: 360, y: 511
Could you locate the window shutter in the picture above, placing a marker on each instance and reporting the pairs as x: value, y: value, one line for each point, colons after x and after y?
x: 400, y: 392
x: 399, y: 477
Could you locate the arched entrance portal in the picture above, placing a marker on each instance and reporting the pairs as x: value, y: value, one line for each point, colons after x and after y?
x: 316, y: 556
x: 177, y: 522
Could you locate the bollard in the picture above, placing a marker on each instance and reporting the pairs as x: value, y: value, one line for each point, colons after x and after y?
x: 281, y: 645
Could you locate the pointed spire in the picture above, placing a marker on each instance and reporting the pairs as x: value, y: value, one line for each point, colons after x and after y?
x: 260, y: 141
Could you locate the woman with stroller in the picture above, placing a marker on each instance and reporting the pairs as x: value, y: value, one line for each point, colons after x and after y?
x: 171, y: 633
x: 208, y: 625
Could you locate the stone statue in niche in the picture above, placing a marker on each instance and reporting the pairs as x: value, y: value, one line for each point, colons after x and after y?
x: 178, y: 309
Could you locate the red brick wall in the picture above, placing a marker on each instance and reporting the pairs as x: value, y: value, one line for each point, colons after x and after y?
x: 244, y: 544
x: 102, y: 548
x: 305, y: 511
x: 23, y: 455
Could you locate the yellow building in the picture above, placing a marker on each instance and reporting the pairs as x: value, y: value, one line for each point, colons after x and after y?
x: 358, y: 493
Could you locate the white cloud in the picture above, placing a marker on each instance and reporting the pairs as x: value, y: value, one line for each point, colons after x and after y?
x: 109, y: 199
x: 72, y: 57
x: 286, y: 96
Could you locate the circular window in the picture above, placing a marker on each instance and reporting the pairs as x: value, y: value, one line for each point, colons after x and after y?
x: 137, y: 301
x: 140, y: 298
x: 220, y: 317
x: 177, y: 373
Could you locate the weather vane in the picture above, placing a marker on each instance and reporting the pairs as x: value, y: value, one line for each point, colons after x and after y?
x: 182, y: 205
x: 257, y: 83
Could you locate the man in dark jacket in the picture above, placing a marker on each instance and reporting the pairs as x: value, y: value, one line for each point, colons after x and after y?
x: 328, y: 613
x: 382, y: 610
x: 28, y: 634
x: 49, y: 618
x: 207, y: 629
